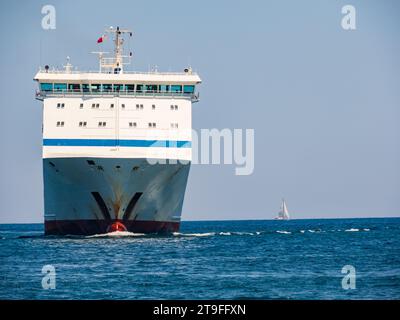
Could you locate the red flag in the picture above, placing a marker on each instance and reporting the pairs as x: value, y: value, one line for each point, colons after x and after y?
x: 100, y: 40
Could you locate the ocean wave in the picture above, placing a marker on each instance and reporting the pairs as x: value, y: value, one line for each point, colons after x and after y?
x: 283, y: 232
x: 205, y: 234
x: 225, y: 234
x: 352, y: 230
x: 238, y: 233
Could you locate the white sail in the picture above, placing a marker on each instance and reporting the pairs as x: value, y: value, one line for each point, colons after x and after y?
x: 283, y: 213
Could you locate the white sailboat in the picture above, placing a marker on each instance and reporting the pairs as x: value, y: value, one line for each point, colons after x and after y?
x: 283, y: 213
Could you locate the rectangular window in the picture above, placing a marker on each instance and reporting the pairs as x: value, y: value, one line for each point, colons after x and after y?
x: 107, y: 87
x: 93, y: 105
x: 95, y: 87
x: 153, y: 107
x: 58, y: 105
x: 62, y: 105
x: 112, y: 105
x: 118, y: 87
x: 151, y: 88
x: 139, y: 88
x: 130, y: 87
x: 97, y: 105
x: 74, y: 87
x: 81, y: 106
x: 188, y: 89
x: 123, y: 106
x: 164, y: 88
x: 46, y: 87
x: 81, y: 124
x: 85, y: 87
x: 176, y: 88
x: 60, y: 87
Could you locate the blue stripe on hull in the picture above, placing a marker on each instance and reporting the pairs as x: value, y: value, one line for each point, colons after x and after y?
x: 114, y: 142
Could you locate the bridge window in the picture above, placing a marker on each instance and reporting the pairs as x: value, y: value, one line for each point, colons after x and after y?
x: 176, y: 88
x: 188, y: 89
x: 46, y: 87
x: 118, y: 87
x: 164, y: 88
x: 139, y: 88
x: 107, y: 87
x: 151, y: 88
x: 130, y: 87
x: 74, y: 87
x: 85, y: 87
x: 60, y: 87
x: 95, y: 87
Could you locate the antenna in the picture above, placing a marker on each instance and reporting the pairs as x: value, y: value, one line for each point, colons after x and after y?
x: 68, y: 66
x: 116, y: 64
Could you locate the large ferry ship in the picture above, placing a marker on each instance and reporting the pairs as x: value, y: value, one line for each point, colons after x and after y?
x: 116, y: 145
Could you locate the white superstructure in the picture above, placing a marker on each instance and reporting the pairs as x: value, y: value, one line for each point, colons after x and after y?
x: 110, y: 126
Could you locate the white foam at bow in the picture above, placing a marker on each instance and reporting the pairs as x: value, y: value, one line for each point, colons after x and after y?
x: 117, y: 234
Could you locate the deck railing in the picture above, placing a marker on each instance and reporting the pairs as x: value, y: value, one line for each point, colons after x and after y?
x: 41, y: 94
x: 61, y: 71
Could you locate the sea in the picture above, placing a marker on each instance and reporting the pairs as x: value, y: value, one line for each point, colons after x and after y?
x: 296, y: 259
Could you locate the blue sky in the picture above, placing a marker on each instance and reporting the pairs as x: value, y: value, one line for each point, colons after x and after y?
x: 324, y: 102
